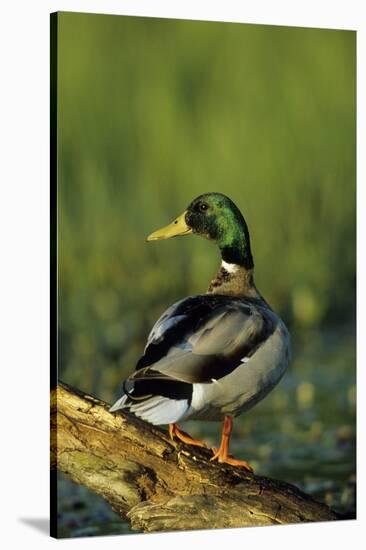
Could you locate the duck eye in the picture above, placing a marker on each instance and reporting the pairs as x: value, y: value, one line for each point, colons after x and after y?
x: 203, y: 206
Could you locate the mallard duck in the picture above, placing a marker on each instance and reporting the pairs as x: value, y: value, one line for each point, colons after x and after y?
x: 214, y: 355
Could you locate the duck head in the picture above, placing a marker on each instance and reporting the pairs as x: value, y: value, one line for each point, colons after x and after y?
x: 215, y: 217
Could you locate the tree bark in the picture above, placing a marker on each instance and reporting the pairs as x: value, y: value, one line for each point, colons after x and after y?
x: 159, y: 484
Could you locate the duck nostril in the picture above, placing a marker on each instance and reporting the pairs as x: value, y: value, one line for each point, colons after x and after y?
x: 176, y: 221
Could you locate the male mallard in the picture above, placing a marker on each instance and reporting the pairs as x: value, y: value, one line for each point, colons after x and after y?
x: 214, y: 355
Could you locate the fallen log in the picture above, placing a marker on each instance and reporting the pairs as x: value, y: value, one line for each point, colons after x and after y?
x: 159, y: 484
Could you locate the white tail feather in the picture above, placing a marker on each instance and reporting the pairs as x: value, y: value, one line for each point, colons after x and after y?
x: 120, y: 404
x: 162, y: 411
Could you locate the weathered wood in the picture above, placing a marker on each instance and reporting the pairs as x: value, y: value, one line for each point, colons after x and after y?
x: 159, y: 484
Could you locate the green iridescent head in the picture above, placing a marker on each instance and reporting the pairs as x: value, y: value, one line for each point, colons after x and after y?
x: 215, y: 217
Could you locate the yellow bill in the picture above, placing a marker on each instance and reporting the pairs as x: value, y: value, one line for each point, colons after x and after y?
x: 178, y: 227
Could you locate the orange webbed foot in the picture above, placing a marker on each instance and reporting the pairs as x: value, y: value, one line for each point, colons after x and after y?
x: 174, y: 430
x: 229, y: 459
x: 222, y: 453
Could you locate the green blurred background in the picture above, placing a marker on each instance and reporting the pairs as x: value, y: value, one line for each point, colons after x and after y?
x: 154, y: 112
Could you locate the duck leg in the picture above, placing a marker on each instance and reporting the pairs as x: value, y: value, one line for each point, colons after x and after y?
x: 222, y: 454
x: 174, y: 430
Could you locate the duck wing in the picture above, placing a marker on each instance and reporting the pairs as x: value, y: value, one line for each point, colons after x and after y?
x: 203, y: 338
x: 197, y: 340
